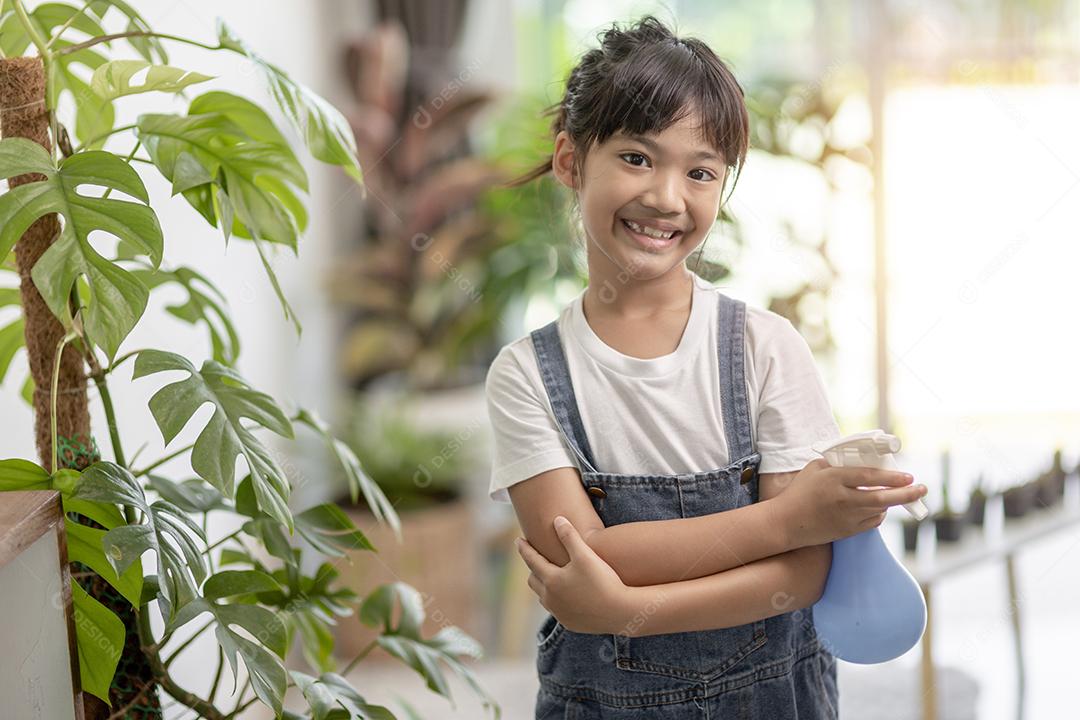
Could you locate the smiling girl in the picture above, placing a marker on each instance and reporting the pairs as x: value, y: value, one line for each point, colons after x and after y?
x: 655, y: 438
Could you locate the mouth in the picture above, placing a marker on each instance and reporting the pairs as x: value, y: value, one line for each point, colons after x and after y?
x: 650, y: 238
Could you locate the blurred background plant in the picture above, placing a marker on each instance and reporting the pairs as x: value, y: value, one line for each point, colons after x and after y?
x: 415, y: 468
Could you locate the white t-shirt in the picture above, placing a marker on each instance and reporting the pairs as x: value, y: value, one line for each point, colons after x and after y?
x: 658, y: 415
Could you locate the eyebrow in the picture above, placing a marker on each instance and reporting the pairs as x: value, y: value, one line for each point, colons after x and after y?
x: 655, y: 147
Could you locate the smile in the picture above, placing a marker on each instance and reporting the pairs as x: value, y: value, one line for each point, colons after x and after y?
x: 650, y: 237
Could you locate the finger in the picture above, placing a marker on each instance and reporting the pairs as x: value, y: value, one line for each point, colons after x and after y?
x: 894, y: 496
x: 570, y: 538
x: 535, y: 584
x: 874, y: 477
x: 537, y: 563
x: 874, y: 520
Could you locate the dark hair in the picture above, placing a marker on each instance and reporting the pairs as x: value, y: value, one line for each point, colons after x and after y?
x: 642, y: 80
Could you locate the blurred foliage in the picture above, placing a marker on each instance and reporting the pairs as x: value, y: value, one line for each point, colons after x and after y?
x: 797, y: 121
x: 414, y: 468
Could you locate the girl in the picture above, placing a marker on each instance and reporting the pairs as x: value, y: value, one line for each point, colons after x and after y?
x: 655, y: 438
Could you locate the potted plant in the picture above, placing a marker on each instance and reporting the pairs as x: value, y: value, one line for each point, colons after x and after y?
x: 1018, y: 499
x: 229, y: 160
x: 1051, y: 483
x: 977, y: 502
x: 911, y: 533
x: 948, y: 525
x: 422, y: 473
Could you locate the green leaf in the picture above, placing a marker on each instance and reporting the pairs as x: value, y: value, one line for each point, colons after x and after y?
x: 404, y: 642
x: 224, y: 437
x: 330, y: 531
x: 192, y: 495
x: 13, y: 38
x: 235, y: 168
x: 148, y: 47
x: 312, y: 607
x: 228, y: 140
x: 263, y: 659
x: 325, y: 130
x: 117, y: 299
x: 104, y: 514
x: 205, y: 302
x: 19, y: 474
x: 229, y: 583
x: 317, y: 640
x: 114, y: 78
x: 358, y: 480
x: 27, y: 391
x: 331, y: 697
x: 99, y: 636
x: 11, y: 339
x: 231, y: 556
x: 166, y: 530
x: 378, y: 609
x: 85, y: 545
x: 290, y: 314
x: 91, y: 119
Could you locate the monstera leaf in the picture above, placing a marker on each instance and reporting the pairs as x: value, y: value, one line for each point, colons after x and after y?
x: 114, y: 78
x: 99, y: 637
x: 263, y: 659
x: 325, y: 527
x: 230, y: 162
x: 224, y: 437
x: 86, y: 545
x: 325, y: 130
x: 204, y: 303
x: 423, y: 655
x: 166, y: 530
x: 91, y: 120
x: 147, y: 47
x: 331, y: 697
x: 117, y: 299
x: 358, y: 480
x: 11, y: 335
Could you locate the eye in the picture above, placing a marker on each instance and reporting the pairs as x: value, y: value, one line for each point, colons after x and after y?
x: 707, y: 172
x: 633, y: 155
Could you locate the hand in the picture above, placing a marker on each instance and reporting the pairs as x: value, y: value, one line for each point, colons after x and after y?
x: 585, y: 595
x: 825, y: 503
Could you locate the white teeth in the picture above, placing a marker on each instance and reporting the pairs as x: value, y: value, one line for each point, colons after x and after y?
x: 650, y: 231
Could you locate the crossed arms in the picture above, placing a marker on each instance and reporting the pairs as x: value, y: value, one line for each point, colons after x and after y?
x: 719, y: 570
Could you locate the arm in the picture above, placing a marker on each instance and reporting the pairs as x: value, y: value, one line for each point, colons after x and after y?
x: 786, y: 582
x: 656, y: 551
x: 778, y: 584
x: 587, y: 595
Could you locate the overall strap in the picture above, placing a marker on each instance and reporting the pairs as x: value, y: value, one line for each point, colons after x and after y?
x: 730, y: 348
x: 560, y: 390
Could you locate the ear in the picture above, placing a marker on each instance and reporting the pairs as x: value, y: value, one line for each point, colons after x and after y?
x: 562, y: 160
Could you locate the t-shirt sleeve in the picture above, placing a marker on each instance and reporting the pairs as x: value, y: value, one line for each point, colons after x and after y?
x: 793, y: 405
x: 526, y: 439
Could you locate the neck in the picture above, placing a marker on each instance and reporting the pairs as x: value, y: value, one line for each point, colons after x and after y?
x: 615, y: 293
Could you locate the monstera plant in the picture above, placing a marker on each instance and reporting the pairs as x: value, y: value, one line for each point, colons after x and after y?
x: 81, y: 294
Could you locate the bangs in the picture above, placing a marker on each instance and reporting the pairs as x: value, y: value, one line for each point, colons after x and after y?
x: 660, y: 84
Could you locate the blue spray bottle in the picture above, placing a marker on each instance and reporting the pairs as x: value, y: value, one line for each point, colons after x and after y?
x: 872, y: 609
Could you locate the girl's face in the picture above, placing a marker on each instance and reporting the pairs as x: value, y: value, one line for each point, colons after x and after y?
x: 636, y: 188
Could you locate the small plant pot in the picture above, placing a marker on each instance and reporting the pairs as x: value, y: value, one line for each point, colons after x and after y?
x: 911, y: 533
x: 976, y: 511
x: 949, y: 527
x: 1017, y: 500
x: 1050, y: 490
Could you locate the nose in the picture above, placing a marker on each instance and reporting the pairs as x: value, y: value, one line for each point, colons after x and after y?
x: 665, y: 194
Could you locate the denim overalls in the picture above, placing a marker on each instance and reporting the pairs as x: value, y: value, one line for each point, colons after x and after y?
x: 772, y: 669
